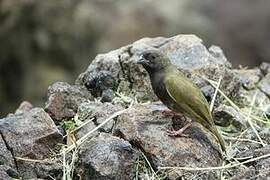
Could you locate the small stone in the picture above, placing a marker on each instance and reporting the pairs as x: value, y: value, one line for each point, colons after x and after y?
x: 264, y: 85
x: 24, y: 107
x: 99, y: 112
x: 107, y: 95
x: 249, y: 78
x: 265, y: 68
x: 99, y: 81
x: 226, y: 115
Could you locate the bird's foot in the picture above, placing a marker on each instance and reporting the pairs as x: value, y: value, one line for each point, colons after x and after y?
x: 179, y: 132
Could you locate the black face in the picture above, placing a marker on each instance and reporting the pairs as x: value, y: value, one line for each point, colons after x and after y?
x: 153, y: 60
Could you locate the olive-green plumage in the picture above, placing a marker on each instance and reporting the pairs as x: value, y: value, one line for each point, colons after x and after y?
x: 177, y: 92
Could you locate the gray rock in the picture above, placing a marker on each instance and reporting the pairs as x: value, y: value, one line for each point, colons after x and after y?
x: 145, y: 127
x: 259, y: 169
x: 24, y: 107
x: 99, y: 111
x: 267, y: 112
x: 264, y: 85
x: 261, y: 101
x: 99, y: 81
x: 6, y: 157
x: 47, y: 169
x: 7, y: 164
x: 107, y: 157
x: 242, y: 172
x: 30, y: 135
x: 265, y: 135
x: 262, y: 166
x: 64, y: 99
x: 249, y: 78
x: 186, y: 51
x: 107, y: 95
x: 265, y: 68
x: 228, y: 116
x: 7, y: 173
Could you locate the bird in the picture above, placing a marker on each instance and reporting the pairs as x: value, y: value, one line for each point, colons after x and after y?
x: 178, y: 92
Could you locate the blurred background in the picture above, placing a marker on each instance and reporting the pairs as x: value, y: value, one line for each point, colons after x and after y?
x: 43, y: 41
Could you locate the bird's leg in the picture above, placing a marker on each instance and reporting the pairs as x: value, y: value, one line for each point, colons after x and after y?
x: 179, y: 132
x: 168, y: 112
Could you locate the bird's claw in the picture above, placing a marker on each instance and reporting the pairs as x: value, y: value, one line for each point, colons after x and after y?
x: 174, y: 133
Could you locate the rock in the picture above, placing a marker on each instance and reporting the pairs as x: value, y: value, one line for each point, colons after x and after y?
x: 258, y: 169
x: 242, y: 173
x: 265, y: 68
x: 6, y: 157
x: 264, y: 85
x: 185, y: 51
x: 7, y: 173
x: 265, y: 135
x: 249, y: 78
x: 107, y: 157
x: 261, y: 100
x: 226, y: 115
x: 64, y: 99
x: 145, y: 127
x: 262, y: 166
x: 99, y: 81
x: 30, y: 135
x: 107, y: 96
x: 46, y: 169
x: 24, y: 107
x: 7, y: 163
x: 98, y: 111
x: 267, y: 111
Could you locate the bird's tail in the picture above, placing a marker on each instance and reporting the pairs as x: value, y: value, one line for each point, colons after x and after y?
x: 214, y: 130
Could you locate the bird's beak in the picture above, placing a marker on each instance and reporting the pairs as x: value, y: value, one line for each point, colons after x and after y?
x: 141, y: 60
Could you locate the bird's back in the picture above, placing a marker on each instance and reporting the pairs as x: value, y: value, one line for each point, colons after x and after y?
x: 187, y: 96
x: 189, y: 100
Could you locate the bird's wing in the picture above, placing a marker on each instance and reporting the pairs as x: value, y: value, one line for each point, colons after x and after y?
x: 188, y: 97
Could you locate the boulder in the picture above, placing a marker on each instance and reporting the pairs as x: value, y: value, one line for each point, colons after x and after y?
x: 144, y: 126
x: 30, y: 135
x: 187, y: 52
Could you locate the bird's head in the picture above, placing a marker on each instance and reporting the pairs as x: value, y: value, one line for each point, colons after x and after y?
x: 153, y: 61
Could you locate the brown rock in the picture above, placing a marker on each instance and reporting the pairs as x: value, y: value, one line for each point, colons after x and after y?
x: 145, y: 127
x: 64, y: 99
x: 31, y: 135
x: 107, y: 157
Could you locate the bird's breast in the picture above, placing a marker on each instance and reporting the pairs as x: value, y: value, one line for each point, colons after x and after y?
x: 159, y: 88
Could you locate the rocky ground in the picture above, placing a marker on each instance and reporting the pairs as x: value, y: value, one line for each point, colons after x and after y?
x: 110, y: 125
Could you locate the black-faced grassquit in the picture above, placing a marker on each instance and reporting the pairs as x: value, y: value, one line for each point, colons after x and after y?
x: 177, y: 92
